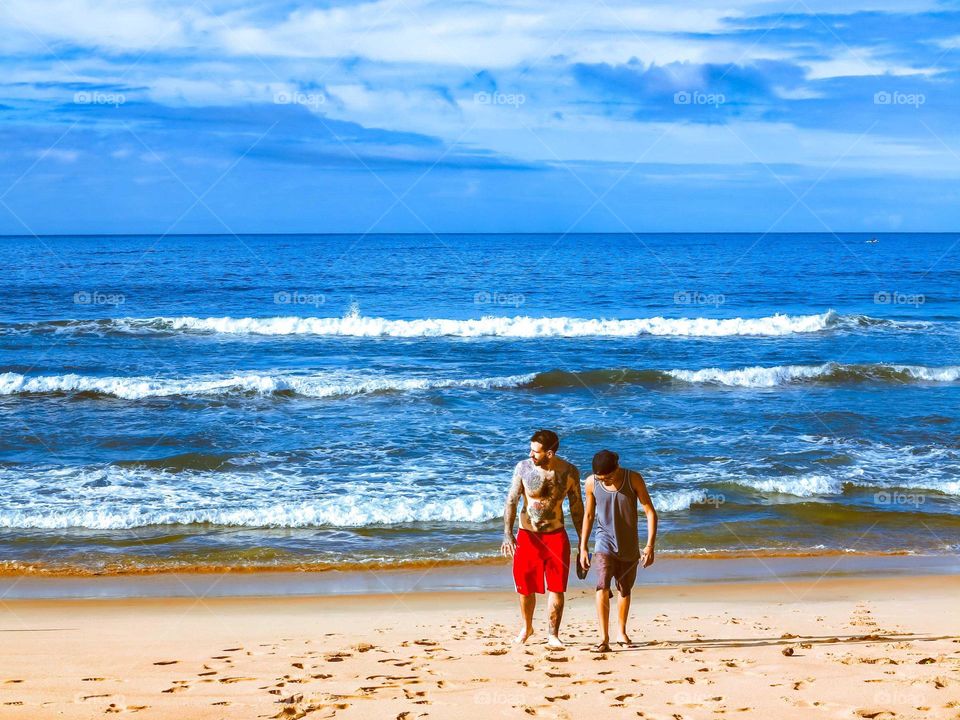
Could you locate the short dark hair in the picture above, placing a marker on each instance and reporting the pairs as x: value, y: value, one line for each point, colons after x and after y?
x: 605, y: 462
x: 547, y: 438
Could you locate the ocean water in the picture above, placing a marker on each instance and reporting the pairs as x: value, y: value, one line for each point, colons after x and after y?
x: 345, y: 400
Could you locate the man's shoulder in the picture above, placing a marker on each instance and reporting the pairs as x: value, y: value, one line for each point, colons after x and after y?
x: 524, y: 468
x: 567, y: 468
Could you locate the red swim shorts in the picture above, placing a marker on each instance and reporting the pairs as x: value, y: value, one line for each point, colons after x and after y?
x: 539, y: 556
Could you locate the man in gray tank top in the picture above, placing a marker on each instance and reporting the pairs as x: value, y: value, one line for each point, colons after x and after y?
x: 613, y: 495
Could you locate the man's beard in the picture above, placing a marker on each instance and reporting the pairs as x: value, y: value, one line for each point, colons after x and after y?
x: 542, y: 463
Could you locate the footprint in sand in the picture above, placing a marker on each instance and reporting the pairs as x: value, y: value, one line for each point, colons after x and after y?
x: 166, y: 662
x: 112, y: 708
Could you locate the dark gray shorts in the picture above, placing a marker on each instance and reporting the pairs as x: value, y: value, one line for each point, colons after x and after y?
x: 622, y: 572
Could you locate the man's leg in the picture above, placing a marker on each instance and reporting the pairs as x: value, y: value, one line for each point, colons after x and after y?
x: 556, y: 565
x: 528, y: 603
x: 627, y: 576
x: 527, y: 574
x: 603, y: 564
x: 623, y: 609
x: 555, y: 607
x: 603, y: 615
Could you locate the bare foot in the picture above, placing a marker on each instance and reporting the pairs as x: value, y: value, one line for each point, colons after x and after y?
x: 554, y: 643
x: 524, y: 635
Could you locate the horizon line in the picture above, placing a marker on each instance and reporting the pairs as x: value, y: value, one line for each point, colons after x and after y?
x: 442, y: 234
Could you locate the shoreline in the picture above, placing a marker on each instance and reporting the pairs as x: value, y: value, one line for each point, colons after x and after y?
x: 494, y: 575
x: 15, y: 569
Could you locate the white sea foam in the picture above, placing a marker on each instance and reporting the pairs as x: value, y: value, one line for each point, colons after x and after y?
x: 511, y: 327
x: 339, y: 384
x: 765, y: 377
x: 678, y: 500
x: 338, y: 513
x: 944, y: 374
x: 135, y: 388
x: 756, y: 377
x: 133, y: 497
x: 356, y: 325
x: 801, y: 486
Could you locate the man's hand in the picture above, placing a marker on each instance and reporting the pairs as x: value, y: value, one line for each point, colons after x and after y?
x: 646, y: 557
x: 584, y: 558
x: 509, y: 546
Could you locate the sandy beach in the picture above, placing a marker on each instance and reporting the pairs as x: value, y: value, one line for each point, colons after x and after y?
x: 804, y: 648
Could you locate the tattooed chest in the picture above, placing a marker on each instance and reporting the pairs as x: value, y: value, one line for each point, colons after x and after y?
x: 543, y: 488
x: 544, y: 496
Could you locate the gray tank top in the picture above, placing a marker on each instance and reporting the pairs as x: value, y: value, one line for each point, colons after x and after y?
x: 617, y: 520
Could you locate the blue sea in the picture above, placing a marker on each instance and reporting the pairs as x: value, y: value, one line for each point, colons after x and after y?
x: 336, y: 401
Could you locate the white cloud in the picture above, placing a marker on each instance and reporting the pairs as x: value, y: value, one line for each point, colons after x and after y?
x: 860, y: 62
x: 112, y: 24
x: 58, y: 155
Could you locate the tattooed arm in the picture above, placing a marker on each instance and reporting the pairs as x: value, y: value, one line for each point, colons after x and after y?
x: 575, y: 499
x: 509, y: 545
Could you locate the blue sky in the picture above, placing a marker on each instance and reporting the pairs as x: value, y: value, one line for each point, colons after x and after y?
x: 415, y: 116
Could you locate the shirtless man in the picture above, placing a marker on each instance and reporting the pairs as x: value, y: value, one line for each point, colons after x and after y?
x: 542, y: 548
